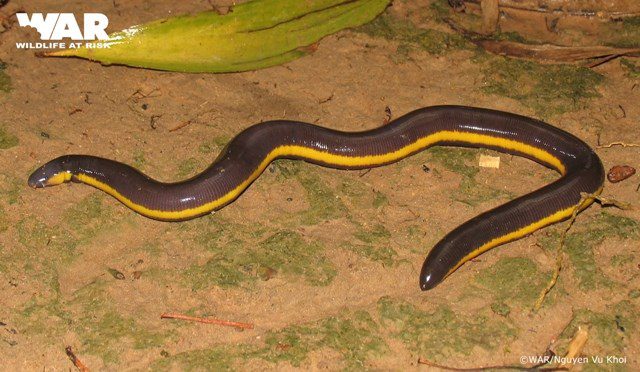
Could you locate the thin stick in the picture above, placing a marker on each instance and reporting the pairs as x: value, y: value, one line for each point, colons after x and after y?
x: 617, y: 143
x: 584, y: 197
x: 180, y: 126
x: 74, y: 359
x: 207, y: 320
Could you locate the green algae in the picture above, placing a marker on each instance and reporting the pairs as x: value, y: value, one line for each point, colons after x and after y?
x: 276, y: 252
x: 580, y: 246
x: 632, y: 69
x: 323, y: 203
x: 547, y: 89
x: 372, y: 242
x: 411, y: 37
x: 100, y: 328
x: 360, y: 195
x: 469, y: 192
x: 442, y: 333
x: 42, y: 250
x: 355, y: 337
x: 10, y: 189
x: 4, y: 222
x: 623, y: 34
x: 89, y: 217
x: 188, y: 168
x: 513, y: 280
x: 7, y: 140
x: 139, y: 159
x: 221, y: 358
x: 103, y: 331
x: 500, y: 308
x: 623, y: 259
x: 455, y: 159
x: 374, y: 234
x: 609, y: 331
x: 239, y: 259
x: 354, y: 189
x: 380, y: 199
x: 5, y: 79
x: 214, y: 145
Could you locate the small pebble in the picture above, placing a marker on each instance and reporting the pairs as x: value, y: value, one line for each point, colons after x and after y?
x: 116, y: 274
x: 620, y: 173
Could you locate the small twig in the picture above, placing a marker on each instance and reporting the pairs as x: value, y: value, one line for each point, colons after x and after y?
x: 508, y: 367
x: 617, y: 143
x: 180, y: 126
x: 583, y: 203
x: 606, y: 202
x: 321, y: 101
x: 556, y: 273
x: 603, y: 60
x: 207, y: 320
x: 74, y: 359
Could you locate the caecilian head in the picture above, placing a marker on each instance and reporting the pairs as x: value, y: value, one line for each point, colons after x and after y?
x: 438, y: 264
x: 431, y: 275
x: 53, y: 173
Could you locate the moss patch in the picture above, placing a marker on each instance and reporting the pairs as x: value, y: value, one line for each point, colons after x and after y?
x: 239, y: 258
x: 7, y: 140
x: 442, y: 333
x: 469, y: 192
x: 188, y: 168
x: 625, y: 34
x: 214, y: 145
x: 633, y: 70
x: 579, y: 246
x: 105, y: 332
x: 4, y: 222
x: 354, y: 337
x: 5, y: 79
x: 10, y: 188
x: 89, y: 216
x: 547, y: 89
x: 411, y: 37
x: 609, y: 331
x: 41, y: 252
x: 138, y: 159
x: 219, y: 358
x: 373, y: 243
x: 513, y: 280
x: 323, y: 201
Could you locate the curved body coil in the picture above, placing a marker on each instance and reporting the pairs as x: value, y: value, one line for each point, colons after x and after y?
x: 251, y: 151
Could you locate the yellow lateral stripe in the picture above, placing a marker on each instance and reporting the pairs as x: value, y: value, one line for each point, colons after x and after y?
x: 514, y: 235
x: 331, y: 159
x: 465, y: 137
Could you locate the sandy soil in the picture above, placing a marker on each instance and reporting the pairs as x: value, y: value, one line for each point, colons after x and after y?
x: 323, y: 262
